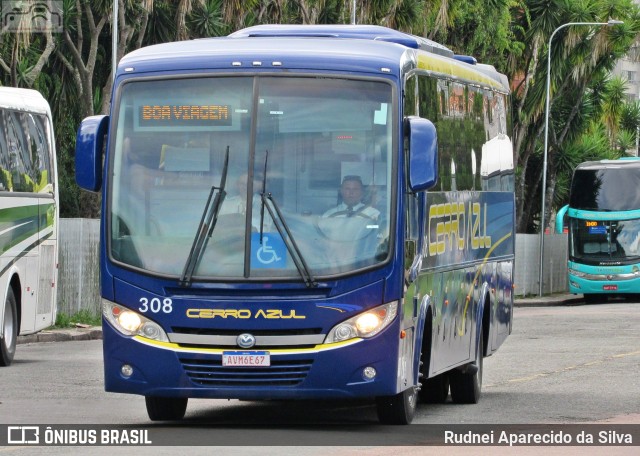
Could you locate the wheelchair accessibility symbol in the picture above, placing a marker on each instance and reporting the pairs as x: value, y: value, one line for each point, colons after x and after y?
x: 272, y: 253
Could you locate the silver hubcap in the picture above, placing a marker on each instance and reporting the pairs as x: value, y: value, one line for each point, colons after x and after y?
x: 8, y: 326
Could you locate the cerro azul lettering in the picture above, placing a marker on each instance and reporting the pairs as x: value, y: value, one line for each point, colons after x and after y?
x: 268, y: 314
x: 454, y: 226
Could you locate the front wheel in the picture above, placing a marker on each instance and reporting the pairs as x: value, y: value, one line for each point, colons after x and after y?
x: 591, y: 298
x: 9, y: 330
x: 399, y: 408
x: 435, y: 390
x: 466, y: 385
x: 166, y: 408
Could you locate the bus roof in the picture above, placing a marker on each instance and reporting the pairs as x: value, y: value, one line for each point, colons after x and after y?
x: 23, y: 100
x: 631, y: 162
x: 348, y: 48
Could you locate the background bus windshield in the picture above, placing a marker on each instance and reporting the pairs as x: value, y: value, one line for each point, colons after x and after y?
x: 329, y: 148
x: 605, y: 241
x: 606, y: 189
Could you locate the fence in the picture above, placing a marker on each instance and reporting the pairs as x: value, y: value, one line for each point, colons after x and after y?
x: 527, y: 270
x: 79, y: 275
x: 79, y: 272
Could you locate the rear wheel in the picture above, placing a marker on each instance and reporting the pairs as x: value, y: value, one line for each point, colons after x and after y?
x: 9, y: 330
x: 166, y: 408
x: 466, y: 384
x: 399, y: 408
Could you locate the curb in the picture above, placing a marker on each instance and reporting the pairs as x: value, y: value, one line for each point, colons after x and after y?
x: 62, y: 335
x: 542, y: 301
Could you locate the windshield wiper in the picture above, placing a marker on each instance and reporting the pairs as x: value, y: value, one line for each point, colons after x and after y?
x: 206, y: 227
x: 282, y: 227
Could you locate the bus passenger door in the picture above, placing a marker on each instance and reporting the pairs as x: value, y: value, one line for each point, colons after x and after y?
x: 47, y: 286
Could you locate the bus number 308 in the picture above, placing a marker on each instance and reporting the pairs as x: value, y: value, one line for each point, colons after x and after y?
x: 155, y: 305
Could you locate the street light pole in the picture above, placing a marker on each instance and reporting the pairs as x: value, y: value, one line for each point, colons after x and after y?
x: 114, y: 42
x: 546, y: 133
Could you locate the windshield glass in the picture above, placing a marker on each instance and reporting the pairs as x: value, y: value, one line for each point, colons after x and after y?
x: 320, y: 149
x: 605, y: 241
x: 606, y: 189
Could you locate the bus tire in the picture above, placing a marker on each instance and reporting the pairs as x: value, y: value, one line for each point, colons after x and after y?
x: 399, y: 408
x: 592, y: 298
x: 9, y: 330
x: 435, y: 390
x: 466, y: 384
x: 166, y: 408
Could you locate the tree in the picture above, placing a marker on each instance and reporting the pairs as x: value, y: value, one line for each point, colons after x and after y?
x: 580, y: 55
x: 29, y: 52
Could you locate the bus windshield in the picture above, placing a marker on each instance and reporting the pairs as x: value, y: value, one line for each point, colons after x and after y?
x: 319, y: 149
x: 605, y: 189
x: 595, y: 242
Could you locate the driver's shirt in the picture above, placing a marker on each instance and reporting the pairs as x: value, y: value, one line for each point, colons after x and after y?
x: 359, y: 210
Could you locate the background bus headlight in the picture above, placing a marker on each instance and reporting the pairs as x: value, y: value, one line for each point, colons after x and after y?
x: 575, y: 273
x: 131, y: 323
x: 365, y: 325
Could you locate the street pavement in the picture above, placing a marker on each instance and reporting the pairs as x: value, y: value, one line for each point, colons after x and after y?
x: 95, y: 332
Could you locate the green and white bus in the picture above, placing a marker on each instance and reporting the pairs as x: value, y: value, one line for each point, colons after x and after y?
x: 28, y: 217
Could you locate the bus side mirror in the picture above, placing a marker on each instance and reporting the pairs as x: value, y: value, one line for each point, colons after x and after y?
x: 560, y: 219
x: 89, y: 147
x: 423, y: 153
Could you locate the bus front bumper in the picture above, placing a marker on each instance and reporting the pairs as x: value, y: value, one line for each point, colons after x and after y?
x: 140, y: 366
x: 581, y: 285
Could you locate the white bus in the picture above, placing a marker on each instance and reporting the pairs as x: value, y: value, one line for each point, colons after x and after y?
x: 28, y: 217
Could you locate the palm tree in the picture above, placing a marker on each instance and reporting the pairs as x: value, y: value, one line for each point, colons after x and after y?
x: 579, y: 55
x: 613, y: 105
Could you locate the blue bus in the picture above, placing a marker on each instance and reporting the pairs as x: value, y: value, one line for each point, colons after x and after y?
x: 603, y: 223
x: 299, y: 212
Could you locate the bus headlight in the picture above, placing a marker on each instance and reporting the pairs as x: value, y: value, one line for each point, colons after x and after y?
x: 131, y: 323
x: 575, y: 273
x: 365, y: 325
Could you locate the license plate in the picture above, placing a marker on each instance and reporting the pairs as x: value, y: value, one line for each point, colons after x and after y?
x: 610, y: 287
x: 246, y: 359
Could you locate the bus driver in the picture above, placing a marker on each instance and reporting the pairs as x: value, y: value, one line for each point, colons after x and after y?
x: 351, y: 192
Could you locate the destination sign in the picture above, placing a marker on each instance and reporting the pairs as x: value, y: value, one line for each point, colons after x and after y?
x: 184, y: 115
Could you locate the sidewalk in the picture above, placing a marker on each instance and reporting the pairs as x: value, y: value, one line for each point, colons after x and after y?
x: 62, y: 335
x: 95, y: 332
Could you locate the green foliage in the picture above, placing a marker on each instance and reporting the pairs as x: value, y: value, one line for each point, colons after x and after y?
x: 625, y: 142
x: 83, y: 316
x: 206, y: 20
x: 630, y: 116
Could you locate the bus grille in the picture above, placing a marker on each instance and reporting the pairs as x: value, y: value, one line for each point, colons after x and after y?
x: 280, y: 373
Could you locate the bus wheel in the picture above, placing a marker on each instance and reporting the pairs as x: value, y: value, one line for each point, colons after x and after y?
x: 594, y: 298
x: 399, y: 408
x: 166, y: 408
x: 466, y: 384
x: 435, y: 390
x: 9, y: 330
